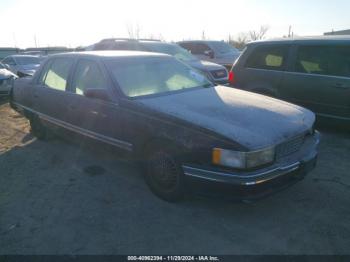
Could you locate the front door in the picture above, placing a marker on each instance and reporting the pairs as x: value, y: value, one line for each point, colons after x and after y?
x: 93, y: 117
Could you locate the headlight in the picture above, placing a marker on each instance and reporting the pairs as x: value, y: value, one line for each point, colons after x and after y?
x: 241, y: 160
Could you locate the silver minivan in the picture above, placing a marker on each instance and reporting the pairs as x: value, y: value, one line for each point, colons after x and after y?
x: 313, y: 72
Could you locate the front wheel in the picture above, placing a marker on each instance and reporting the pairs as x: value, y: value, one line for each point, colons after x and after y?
x: 164, y: 176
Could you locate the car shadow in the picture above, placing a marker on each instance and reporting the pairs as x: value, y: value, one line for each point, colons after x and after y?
x: 56, y: 194
x: 333, y: 127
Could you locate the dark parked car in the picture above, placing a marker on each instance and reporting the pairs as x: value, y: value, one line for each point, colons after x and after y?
x: 171, y: 117
x: 213, y: 51
x: 312, y: 72
x: 22, y: 65
x: 215, y: 73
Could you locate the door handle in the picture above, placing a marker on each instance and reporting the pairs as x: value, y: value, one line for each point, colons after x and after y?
x: 72, y: 107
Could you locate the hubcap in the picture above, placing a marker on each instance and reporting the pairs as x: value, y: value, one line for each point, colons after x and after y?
x: 164, y: 172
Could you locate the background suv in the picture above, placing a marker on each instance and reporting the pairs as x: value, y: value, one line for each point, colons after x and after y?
x: 214, y: 51
x: 216, y: 73
x: 312, y: 72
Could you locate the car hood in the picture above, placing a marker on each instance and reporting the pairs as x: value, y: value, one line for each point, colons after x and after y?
x: 4, y: 74
x: 205, y: 65
x: 252, y: 120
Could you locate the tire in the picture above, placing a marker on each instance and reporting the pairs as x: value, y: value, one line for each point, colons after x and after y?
x: 37, y: 128
x: 164, y: 175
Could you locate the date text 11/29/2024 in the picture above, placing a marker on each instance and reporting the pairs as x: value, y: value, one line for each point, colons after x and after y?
x: 173, y: 258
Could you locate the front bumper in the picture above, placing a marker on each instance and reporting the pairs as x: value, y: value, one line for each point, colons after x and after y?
x: 293, y: 167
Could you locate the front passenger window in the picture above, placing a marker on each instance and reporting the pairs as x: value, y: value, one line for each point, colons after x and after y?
x: 88, y: 76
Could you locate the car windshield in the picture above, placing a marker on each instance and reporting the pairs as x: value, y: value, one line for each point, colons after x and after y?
x: 27, y: 60
x: 2, y: 66
x: 223, y: 47
x: 170, y: 49
x: 147, y: 76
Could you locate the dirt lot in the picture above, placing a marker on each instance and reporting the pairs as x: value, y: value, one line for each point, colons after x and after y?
x: 49, y: 205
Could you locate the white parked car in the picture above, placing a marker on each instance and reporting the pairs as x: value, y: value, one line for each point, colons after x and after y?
x: 6, y: 79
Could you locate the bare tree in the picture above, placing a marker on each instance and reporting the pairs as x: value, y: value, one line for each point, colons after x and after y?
x: 203, y: 35
x: 240, y: 41
x: 133, y: 31
x: 260, y: 34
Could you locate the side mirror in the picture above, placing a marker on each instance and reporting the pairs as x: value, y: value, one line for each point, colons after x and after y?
x: 97, y: 93
x: 209, y: 53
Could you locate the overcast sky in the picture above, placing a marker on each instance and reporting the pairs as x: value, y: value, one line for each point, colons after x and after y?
x: 78, y: 22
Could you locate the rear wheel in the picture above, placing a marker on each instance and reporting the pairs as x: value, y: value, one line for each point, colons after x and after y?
x: 38, y: 129
x: 164, y: 175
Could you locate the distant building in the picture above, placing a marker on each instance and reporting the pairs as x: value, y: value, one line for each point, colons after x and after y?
x: 47, y: 50
x: 342, y: 32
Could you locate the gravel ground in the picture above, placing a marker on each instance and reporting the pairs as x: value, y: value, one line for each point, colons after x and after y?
x: 49, y: 204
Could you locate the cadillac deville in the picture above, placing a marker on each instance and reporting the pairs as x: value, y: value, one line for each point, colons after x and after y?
x: 171, y: 117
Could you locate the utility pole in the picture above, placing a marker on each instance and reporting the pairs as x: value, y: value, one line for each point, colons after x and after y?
x: 14, y: 40
x: 290, y: 32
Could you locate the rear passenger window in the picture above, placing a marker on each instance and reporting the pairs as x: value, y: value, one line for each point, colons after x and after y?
x: 57, y: 74
x: 312, y: 60
x: 200, y: 49
x: 339, y: 62
x: 270, y: 58
x: 324, y: 60
x: 88, y: 75
x: 188, y: 46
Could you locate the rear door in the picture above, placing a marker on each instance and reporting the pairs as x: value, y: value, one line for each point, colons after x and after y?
x: 49, y: 95
x: 320, y: 79
x: 263, y: 69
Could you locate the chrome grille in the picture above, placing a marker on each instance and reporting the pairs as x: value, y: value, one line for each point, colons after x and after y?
x: 289, y: 147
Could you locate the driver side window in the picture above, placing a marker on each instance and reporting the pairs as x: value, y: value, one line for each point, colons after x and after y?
x: 88, y: 76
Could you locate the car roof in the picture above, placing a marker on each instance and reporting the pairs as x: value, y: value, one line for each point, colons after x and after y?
x: 156, y: 42
x: 201, y: 41
x: 110, y: 54
x: 19, y: 55
x: 305, y: 39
